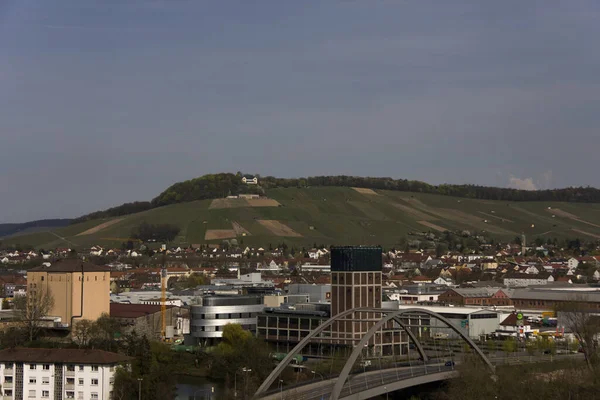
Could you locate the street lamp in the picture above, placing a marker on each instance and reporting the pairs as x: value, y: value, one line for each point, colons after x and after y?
x: 320, y: 374
x: 244, y: 369
x: 281, y: 388
x: 140, y: 388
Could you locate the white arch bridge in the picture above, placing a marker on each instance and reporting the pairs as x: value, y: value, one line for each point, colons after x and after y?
x: 368, y: 384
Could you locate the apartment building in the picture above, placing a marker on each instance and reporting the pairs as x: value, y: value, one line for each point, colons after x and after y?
x: 58, y: 374
x: 81, y: 290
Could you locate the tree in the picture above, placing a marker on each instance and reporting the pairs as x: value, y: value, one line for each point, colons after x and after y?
x: 82, y: 332
x: 579, y: 319
x: 233, y: 334
x: 104, y: 331
x: 32, y: 308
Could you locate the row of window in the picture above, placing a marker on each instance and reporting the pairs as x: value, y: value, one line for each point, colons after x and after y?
x: 217, y: 328
x: 228, y: 316
x: 46, y: 367
x: 45, y: 394
x: 46, y: 381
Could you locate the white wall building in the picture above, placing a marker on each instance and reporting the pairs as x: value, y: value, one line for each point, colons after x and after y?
x: 58, y: 373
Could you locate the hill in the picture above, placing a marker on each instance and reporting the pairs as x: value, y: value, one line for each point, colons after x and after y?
x: 32, y: 226
x: 333, y: 215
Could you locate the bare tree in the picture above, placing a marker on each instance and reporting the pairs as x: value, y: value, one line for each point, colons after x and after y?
x: 584, y: 324
x: 32, y: 308
x: 82, y: 332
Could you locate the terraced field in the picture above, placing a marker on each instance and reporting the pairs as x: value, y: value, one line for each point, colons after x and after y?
x: 335, y: 215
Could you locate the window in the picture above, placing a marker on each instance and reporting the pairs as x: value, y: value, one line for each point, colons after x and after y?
x: 42, y: 278
x: 45, y: 393
x: 94, y: 368
x: 94, y: 382
x: 70, y: 395
x: 31, y: 394
x: 46, y: 367
x: 45, y: 380
x: 71, y: 368
x: 81, y: 367
x: 8, y: 365
x: 32, y: 381
x: 31, y: 366
x: 94, y: 395
x: 80, y: 381
x: 80, y: 394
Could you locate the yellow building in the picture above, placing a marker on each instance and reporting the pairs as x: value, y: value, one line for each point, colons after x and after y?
x: 66, y: 280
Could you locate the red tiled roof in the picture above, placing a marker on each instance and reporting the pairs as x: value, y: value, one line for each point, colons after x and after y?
x: 511, y: 320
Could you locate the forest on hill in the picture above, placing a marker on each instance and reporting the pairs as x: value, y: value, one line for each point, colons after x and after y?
x: 220, y: 185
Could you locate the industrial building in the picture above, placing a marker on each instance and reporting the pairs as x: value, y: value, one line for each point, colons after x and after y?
x: 80, y: 290
x: 474, y: 322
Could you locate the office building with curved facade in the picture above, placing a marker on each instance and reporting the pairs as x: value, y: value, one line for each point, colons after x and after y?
x: 208, y: 319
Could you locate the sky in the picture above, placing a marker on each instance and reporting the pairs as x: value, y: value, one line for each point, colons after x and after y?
x: 110, y: 101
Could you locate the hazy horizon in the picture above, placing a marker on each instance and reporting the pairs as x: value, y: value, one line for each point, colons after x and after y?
x: 107, y: 102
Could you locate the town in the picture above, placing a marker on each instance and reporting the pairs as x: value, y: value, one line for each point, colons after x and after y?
x: 187, y: 298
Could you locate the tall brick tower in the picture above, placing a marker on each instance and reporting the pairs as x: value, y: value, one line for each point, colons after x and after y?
x: 355, y: 282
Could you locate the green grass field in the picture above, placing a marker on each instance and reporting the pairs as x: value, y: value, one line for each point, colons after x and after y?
x: 336, y: 215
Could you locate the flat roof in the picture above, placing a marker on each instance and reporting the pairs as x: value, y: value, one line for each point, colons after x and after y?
x: 450, y: 310
x: 71, y: 265
x: 70, y: 356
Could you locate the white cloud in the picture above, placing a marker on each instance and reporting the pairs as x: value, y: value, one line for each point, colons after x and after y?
x: 523, y: 184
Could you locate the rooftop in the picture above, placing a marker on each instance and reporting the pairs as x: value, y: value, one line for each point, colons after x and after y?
x: 121, y: 310
x: 71, y: 265
x: 450, y: 310
x: 72, y: 356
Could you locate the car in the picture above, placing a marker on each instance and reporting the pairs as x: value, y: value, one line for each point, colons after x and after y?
x: 449, y: 364
x: 547, y: 351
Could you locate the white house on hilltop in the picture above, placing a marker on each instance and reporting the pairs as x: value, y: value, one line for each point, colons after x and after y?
x: 250, y: 180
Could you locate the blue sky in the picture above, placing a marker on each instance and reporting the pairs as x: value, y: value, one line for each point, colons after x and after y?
x: 103, y: 102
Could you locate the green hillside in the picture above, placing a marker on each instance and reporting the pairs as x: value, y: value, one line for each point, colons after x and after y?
x: 334, y: 215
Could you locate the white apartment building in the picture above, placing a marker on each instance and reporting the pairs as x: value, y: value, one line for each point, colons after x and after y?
x: 28, y: 373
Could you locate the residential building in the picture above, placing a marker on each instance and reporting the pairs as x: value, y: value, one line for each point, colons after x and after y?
x: 58, y: 373
x: 80, y: 290
x: 208, y: 319
x: 250, y: 180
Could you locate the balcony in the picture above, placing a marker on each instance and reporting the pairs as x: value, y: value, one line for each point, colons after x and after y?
x: 7, y: 385
x: 69, y: 386
x: 9, y: 371
x: 6, y: 397
x: 70, y: 373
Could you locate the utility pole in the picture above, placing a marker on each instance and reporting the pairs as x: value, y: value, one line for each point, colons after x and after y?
x: 140, y: 388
